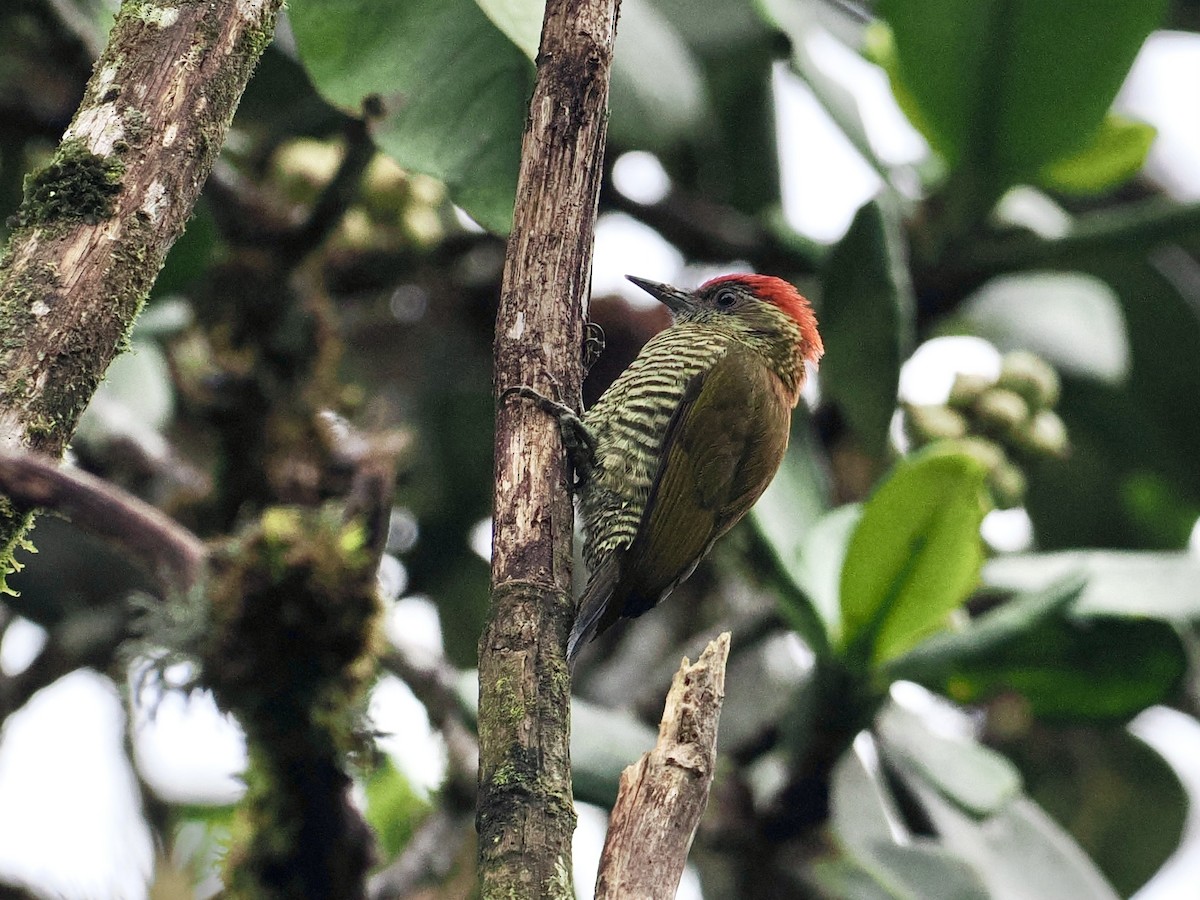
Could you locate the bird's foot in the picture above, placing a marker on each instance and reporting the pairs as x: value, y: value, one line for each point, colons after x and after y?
x: 578, y: 440
x: 593, y: 346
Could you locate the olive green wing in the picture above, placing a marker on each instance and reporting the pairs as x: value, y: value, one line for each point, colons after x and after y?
x: 722, y: 447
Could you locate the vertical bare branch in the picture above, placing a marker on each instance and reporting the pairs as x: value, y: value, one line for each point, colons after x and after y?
x: 525, y: 814
x: 663, y: 795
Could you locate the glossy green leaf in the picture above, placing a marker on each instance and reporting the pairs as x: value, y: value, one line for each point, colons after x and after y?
x: 822, y: 555
x: 887, y: 871
x: 1016, y: 847
x: 811, y: 559
x: 934, y: 661
x: 1005, y: 87
x: 453, y: 88
x: 732, y: 155
x: 658, y: 95
x: 867, y: 315
x: 1159, y: 304
x: 1075, y: 321
x: 1121, y: 583
x: 866, y: 822
x: 1069, y: 669
x: 520, y: 20
x: 1097, y: 783
x: 1077, y: 667
x: 915, y: 555
x: 977, y: 780
x: 1116, y: 153
x: 784, y: 517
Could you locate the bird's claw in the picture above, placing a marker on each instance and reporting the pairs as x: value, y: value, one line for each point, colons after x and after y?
x: 593, y: 346
x: 578, y: 440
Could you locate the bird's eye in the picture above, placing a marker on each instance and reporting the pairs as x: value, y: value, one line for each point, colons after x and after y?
x: 725, y: 299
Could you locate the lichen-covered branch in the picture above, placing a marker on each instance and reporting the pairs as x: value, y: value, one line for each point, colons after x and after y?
x: 97, y: 221
x: 662, y: 795
x: 525, y: 814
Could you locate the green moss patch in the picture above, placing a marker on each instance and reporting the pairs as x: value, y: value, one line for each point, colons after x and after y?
x: 76, y: 185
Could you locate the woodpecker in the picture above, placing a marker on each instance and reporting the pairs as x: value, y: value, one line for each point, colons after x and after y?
x: 686, y: 439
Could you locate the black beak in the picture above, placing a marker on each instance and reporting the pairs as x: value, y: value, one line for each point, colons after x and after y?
x: 673, y: 298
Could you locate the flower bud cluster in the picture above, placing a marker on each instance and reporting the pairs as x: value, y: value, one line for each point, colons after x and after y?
x: 1007, y: 422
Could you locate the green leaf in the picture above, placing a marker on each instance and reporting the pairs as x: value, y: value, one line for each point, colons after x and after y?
x: 1159, y: 585
x: 453, y: 88
x: 934, y: 661
x: 977, y: 780
x: 394, y: 809
x: 915, y: 555
x: 867, y: 315
x: 520, y: 20
x: 1116, y: 153
x: 1096, y: 782
x: 1013, y: 848
x: 818, y: 570
x: 1075, y: 321
x: 190, y: 256
x: 785, y: 517
x: 1004, y: 87
x: 866, y: 822
x: 1095, y: 669
x: 658, y: 94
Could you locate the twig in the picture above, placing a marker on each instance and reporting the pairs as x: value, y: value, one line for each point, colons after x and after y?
x: 431, y: 679
x: 525, y: 816
x: 663, y: 795
x: 166, y: 549
x: 337, y: 195
x: 433, y: 682
x: 1134, y: 227
x: 716, y: 232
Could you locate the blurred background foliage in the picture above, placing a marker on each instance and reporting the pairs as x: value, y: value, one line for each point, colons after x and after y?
x: 963, y: 615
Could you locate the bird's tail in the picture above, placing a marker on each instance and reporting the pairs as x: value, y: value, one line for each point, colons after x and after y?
x: 592, y: 607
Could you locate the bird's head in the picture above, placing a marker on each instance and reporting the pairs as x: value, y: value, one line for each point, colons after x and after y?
x: 761, y: 306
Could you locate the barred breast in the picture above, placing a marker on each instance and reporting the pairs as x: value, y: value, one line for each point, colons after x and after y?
x: 628, y: 423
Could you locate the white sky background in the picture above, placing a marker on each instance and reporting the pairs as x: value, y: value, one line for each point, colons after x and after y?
x: 69, y: 821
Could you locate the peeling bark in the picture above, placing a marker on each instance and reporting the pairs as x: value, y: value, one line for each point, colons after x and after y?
x: 525, y: 815
x: 662, y: 796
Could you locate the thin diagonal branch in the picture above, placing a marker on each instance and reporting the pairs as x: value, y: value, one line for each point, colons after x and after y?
x: 166, y: 549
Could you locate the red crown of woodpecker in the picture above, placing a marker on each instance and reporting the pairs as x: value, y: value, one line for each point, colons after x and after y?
x: 786, y: 298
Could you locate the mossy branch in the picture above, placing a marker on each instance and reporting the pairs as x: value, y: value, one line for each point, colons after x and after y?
x: 98, y: 220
